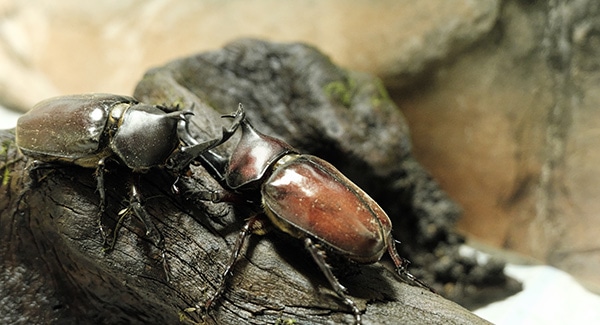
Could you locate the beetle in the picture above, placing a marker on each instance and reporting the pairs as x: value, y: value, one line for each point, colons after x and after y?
x: 89, y: 129
x: 305, y: 197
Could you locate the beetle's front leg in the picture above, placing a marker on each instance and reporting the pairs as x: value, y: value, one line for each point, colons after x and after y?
x: 102, y: 206
x: 239, y: 244
x: 258, y: 225
x: 135, y: 204
x: 319, y: 256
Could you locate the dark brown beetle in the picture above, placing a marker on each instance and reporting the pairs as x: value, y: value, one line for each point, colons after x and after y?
x: 89, y: 129
x: 309, y: 199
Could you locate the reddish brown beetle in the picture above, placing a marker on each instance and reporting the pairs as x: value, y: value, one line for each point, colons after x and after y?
x: 309, y: 199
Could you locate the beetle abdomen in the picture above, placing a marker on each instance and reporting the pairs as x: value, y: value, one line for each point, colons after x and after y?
x: 307, y: 195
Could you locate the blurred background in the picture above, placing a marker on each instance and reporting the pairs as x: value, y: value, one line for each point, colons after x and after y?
x: 501, y: 97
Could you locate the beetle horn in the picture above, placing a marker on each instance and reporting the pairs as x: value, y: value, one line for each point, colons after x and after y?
x: 238, y: 116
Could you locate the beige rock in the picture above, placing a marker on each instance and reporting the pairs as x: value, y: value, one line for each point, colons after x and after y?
x: 82, y: 46
x: 510, y: 129
x: 22, y: 84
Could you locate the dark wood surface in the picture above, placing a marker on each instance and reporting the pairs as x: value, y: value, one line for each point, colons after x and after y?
x: 54, y: 269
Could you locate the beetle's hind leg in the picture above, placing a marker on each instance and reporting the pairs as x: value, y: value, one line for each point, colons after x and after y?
x: 34, y: 168
x: 402, y: 266
x: 31, y: 170
x: 319, y: 256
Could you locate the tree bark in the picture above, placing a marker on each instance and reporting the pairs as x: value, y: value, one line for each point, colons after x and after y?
x: 55, y: 270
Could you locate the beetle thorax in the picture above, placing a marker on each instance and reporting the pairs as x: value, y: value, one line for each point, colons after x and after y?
x: 143, y: 136
x: 115, y: 117
x: 284, y: 160
x: 253, y: 157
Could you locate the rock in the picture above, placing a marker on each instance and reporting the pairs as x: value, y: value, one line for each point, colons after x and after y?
x: 508, y: 129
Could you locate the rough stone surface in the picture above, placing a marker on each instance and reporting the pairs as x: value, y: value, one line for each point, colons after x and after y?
x: 509, y: 130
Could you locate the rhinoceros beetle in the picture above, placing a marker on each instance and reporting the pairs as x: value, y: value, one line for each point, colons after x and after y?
x: 89, y: 129
x: 305, y: 197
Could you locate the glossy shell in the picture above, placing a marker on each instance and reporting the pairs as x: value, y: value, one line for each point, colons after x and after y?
x: 67, y: 128
x: 145, y: 137
x: 82, y: 129
x: 253, y: 156
x: 307, y: 195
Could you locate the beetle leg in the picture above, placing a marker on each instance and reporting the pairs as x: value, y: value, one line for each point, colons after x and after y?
x: 319, y: 256
x: 102, y: 205
x: 402, y: 266
x: 254, y: 224
x: 38, y: 165
x: 122, y: 214
x: 135, y: 204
